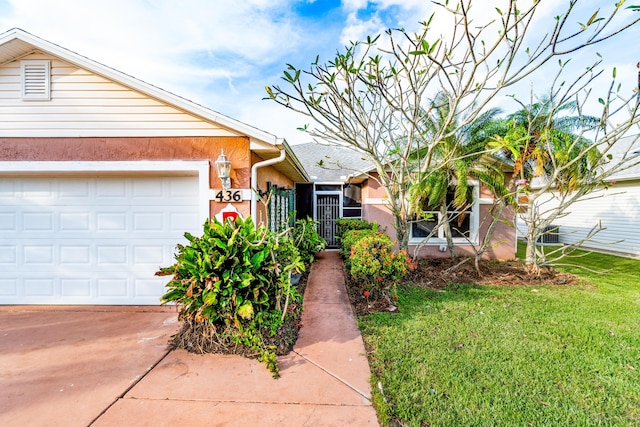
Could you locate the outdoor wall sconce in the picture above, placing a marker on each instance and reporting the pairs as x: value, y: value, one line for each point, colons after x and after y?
x: 223, y: 167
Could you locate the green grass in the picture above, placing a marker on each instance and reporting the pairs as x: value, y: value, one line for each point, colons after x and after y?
x: 512, y: 356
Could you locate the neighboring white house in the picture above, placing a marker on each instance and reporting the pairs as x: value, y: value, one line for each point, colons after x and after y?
x: 616, y: 207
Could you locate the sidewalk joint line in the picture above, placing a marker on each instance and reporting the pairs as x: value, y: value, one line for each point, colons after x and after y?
x: 334, y: 376
x: 169, y: 350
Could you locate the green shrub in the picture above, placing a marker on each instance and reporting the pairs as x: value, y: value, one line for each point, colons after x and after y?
x: 375, y: 266
x: 347, y: 224
x: 231, y: 283
x: 307, y: 239
x: 350, y: 238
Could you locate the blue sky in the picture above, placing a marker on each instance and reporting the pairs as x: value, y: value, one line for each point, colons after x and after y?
x: 222, y: 53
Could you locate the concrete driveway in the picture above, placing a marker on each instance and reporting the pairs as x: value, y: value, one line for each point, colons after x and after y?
x: 62, y: 365
x: 78, y: 366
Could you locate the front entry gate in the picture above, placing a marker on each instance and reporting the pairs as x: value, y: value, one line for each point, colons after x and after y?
x: 327, y: 212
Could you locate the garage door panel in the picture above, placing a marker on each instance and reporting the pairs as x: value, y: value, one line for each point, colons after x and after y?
x: 148, y: 188
x: 8, y: 254
x: 112, y: 288
x: 111, y: 254
x: 149, y: 288
x: 38, y: 255
x: 73, y: 188
x: 149, y: 221
x: 154, y: 255
x: 178, y: 222
x: 39, y: 287
x: 8, y: 222
x: 37, y: 221
x: 75, y: 288
x: 8, y: 288
x: 90, y: 240
x: 73, y: 255
x: 74, y: 222
x: 8, y: 190
x: 37, y: 190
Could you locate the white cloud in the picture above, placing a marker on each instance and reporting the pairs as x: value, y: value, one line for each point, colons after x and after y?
x: 358, y: 29
x: 222, y: 53
x: 354, y: 5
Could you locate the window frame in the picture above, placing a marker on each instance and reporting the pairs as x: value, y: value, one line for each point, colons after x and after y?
x: 474, y: 224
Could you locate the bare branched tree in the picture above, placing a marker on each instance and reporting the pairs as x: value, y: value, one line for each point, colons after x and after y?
x: 374, y: 95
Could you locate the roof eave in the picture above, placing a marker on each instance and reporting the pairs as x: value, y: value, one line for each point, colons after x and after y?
x: 138, y: 85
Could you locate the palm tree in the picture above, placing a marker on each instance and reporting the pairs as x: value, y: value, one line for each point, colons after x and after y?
x: 546, y: 145
x: 541, y: 138
x: 460, y: 155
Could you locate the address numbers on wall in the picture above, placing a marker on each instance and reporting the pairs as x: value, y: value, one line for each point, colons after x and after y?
x: 228, y: 196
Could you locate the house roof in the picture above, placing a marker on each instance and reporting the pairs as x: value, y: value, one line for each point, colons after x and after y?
x: 331, y: 163
x: 626, y: 146
x: 17, y: 43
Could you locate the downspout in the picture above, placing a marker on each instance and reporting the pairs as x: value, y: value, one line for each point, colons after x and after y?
x: 254, y: 179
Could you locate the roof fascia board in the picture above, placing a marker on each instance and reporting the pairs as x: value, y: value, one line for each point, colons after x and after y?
x: 295, y: 162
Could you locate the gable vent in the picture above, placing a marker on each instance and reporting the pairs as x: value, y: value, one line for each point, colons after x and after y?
x: 36, y: 80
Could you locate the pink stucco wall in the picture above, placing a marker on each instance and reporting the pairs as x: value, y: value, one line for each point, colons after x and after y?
x: 503, y: 243
x: 145, y: 148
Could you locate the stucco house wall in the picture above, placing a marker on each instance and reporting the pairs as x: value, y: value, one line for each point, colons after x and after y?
x: 503, y: 242
x: 343, y: 165
x: 113, y: 149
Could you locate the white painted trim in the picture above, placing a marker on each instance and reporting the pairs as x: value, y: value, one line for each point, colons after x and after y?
x: 254, y: 179
x: 376, y: 201
x: 199, y: 167
x: 486, y: 201
x: 475, y: 224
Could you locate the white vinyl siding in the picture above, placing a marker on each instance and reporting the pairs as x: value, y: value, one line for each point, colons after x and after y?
x: 84, y: 104
x: 619, y: 211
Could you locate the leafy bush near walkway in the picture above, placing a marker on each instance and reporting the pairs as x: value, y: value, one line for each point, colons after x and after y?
x: 233, y: 289
x: 543, y: 355
x: 345, y: 225
x: 375, y: 266
x: 307, y: 240
x: 350, y: 238
x: 372, y: 265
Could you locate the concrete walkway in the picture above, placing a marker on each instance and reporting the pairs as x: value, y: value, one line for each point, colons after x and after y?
x: 323, y: 382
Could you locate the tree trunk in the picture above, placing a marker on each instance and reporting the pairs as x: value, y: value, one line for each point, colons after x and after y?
x: 401, y: 226
x: 447, y: 229
x: 531, y: 260
x: 496, y: 217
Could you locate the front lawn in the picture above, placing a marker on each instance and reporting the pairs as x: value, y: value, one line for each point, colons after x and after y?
x: 482, y: 355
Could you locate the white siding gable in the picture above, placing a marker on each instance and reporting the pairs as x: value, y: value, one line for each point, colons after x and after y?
x: 84, y: 104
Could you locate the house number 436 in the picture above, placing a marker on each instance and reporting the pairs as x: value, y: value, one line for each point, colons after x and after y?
x: 228, y: 196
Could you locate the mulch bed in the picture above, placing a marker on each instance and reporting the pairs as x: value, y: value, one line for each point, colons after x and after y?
x: 207, y: 338
x: 439, y: 273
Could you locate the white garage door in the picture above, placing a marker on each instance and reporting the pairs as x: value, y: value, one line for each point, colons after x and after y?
x: 91, y: 240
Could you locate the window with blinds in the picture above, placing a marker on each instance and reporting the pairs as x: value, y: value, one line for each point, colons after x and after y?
x: 35, y: 79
